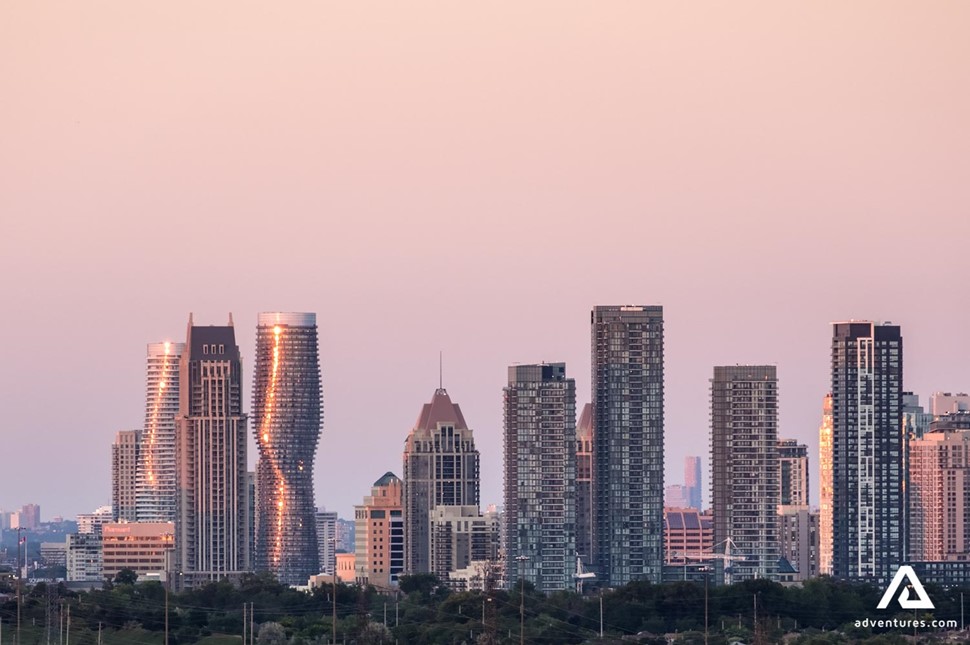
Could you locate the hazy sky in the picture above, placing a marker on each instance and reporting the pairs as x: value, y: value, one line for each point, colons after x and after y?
x: 472, y: 178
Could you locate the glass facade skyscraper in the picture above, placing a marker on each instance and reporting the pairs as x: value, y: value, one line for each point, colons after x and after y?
x: 286, y: 419
x: 628, y: 442
x: 868, y: 458
x: 155, y: 477
x: 540, y: 471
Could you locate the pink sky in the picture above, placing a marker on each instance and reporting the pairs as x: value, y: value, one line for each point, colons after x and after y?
x: 469, y: 178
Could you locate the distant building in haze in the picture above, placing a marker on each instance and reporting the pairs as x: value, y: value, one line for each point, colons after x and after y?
x: 627, y: 345
x: 540, y: 475
x: 124, y: 468
x: 676, y: 496
x: 84, y: 557
x: 745, y: 478
x: 30, y: 517
x: 441, y: 468
x: 286, y: 421
x: 869, y: 515
x: 327, y: 540
x: 379, y: 534
x: 688, y: 534
x: 916, y: 421
x: 212, y: 503
x: 155, y: 476
x: 693, y: 481
x: 91, y: 523
x: 948, y: 403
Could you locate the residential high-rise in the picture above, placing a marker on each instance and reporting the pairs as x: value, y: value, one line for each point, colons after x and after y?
x: 327, y: 540
x: 441, y: 468
x: 628, y: 442
x: 693, y: 481
x: 124, y: 462
x: 793, y: 470
x: 744, y: 466
x: 798, y: 530
x: 868, y: 465
x: 30, y: 517
x: 286, y: 420
x: 461, y: 536
x: 379, y: 535
x: 940, y: 491
x: 584, y: 484
x: 540, y: 474
x: 825, y: 489
x: 212, y: 514
x: 155, y: 485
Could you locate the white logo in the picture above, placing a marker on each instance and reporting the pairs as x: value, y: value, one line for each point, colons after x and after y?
x: 922, y: 598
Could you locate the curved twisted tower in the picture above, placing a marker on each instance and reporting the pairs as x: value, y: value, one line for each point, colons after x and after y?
x: 286, y: 417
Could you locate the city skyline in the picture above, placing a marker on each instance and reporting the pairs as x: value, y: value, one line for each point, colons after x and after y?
x: 756, y: 173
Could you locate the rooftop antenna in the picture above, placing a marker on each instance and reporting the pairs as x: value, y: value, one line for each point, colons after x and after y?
x: 441, y: 379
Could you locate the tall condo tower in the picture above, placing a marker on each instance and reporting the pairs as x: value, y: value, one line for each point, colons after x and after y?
x: 868, y: 465
x: 825, y: 492
x: 793, y: 464
x: 155, y: 478
x: 124, y: 461
x: 286, y: 414
x: 584, y: 484
x: 628, y: 442
x: 540, y: 474
x: 745, y: 479
x: 212, y: 496
x: 440, y: 469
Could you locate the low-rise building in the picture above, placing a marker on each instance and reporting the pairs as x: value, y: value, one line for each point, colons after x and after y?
x: 84, y: 557
x: 143, y: 547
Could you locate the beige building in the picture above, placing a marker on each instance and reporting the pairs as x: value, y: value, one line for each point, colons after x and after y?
x: 825, y: 489
x: 346, y: 567
x: 379, y: 533
x: 142, y: 547
x: 798, y: 528
x: 940, y: 490
x: 124, y: 469
x: 461, y: 535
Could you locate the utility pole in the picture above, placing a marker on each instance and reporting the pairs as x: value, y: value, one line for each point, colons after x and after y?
x: 67, y: 641
x: 168, y: 582
x: 521, y: 559
x: 252, y: 623
x: 244, y: 624
x: 20, y: 580
x: 601, y: 612
x: 99, y: 632
x: 706, y: 579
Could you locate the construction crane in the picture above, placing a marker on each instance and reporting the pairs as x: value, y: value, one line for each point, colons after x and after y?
x: 581, y: 575
x: 725, y: 557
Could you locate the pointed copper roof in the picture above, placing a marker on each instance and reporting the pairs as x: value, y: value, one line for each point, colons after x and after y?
x: 584, y: 428
x: 440, y: 410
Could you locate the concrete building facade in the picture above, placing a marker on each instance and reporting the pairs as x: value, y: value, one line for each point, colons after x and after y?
x: 143, y: 547
x: 124, y: 469
x: 825, y: 489
x: 379, y: 534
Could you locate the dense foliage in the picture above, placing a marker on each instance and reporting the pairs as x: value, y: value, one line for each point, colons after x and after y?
x: 821, y: 611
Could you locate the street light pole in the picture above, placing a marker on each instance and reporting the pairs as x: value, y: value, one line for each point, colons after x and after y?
x: 20, y: 579
x: 333, y: 551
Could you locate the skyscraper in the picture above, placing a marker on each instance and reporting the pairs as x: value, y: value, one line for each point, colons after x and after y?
x: 540, y: 471
x: 584, y: 484
x: 793, y: 470
x: 211, y: 527
x: 744, y: 466
x: 155, y: 485
x: 124, y: 462
x: 286, y: 414
x: 693, y: 481
x: 440, y: 469
x: 825, y: 489
x: 868, y: 506
x: 628, y: 442
x: 327, y: 541
x: 940, y: 490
